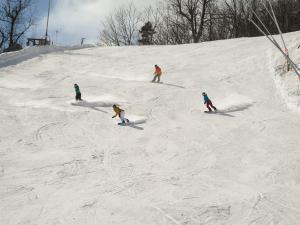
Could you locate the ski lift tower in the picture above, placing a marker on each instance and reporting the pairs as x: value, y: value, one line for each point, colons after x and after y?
x: 82, y: 41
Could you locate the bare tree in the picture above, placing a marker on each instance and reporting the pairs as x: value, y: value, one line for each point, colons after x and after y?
x: 170, y: 28
x: 109, y: 35
x: 235, y: 15
x: 121, y: 27
x: 16, y: 17
x: 159, y: 18
x: 216, y: 21
x: 152, y: 15
x: 129, y: 19
x: 194, y: 11
x: 283, y: 10
x: 2, y: 39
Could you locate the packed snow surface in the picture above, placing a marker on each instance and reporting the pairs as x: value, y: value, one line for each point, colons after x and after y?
x: 68, y: 163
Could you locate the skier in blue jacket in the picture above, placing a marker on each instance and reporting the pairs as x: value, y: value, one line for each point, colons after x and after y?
x: 208, y: 102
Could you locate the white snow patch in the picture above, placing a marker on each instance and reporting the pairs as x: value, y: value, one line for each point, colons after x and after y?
x: 45, y: 103
x: 98, y: 101
x: 136, y: 119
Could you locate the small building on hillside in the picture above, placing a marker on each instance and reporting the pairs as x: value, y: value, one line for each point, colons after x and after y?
x: 37, y: 42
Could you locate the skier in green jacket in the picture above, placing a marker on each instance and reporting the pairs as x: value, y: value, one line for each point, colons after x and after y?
x: 78, y: 93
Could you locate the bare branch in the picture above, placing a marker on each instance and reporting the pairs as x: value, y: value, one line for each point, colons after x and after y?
x: 16, y: 19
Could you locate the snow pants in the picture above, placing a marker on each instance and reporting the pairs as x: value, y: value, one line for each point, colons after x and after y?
x: 156, y: 77
x: 78, y: 97
x: 209, y: 105
x: 122, y: 117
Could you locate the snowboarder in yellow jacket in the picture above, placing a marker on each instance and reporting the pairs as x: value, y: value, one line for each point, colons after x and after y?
x: 120, y: 113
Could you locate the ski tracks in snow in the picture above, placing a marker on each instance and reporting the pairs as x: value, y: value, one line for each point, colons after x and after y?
x: 279, y: 212
x: 167, y: 216
x: 267, y: 211
x: 42, y: 131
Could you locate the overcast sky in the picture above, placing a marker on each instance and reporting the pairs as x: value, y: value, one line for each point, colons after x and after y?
x: 73, y: 19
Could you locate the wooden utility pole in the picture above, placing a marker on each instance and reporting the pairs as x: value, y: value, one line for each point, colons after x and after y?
x: 46, y: 36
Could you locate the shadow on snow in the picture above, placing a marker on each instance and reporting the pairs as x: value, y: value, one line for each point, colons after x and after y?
x: 226, y: 112
x: 94, y: 105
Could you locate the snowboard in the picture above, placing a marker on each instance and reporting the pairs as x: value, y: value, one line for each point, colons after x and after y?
x: 126, y: 124
x: 211, y: 112
x: 79, y: 102
x: 155, y: 82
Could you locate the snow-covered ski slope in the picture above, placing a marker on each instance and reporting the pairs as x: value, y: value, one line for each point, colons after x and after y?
x: 66, y: 164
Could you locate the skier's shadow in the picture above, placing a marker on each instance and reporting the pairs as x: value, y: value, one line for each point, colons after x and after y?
x: 97, y: 109
x: 221, y: 113
x: 238, y: 108
x: 225, y: 114
x: 134, y: 125
x: 92, y: 106
x: 235, y: 109
x: 171, y: 85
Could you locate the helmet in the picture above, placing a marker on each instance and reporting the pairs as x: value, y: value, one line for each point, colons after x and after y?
x: 203, y: 93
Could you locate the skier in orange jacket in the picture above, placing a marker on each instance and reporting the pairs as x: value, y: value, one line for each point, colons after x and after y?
x: 157, y: 74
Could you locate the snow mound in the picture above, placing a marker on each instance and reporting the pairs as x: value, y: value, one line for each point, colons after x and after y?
x: 235, y: 102
x: 86, y: 103
x: 45, y: 103
x: 137, y: 119
x: 101, y: 101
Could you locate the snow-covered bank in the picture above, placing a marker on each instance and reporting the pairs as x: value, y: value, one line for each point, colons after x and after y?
x: 65, y: 163
x: 13, y: 58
